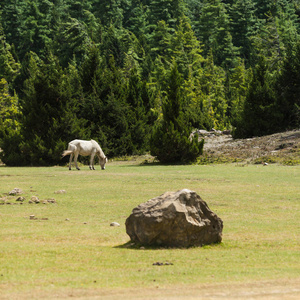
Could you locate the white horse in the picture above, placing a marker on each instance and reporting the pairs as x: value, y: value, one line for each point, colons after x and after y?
x: 85, y: 148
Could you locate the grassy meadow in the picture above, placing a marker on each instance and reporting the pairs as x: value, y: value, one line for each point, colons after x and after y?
x: 70, y: 246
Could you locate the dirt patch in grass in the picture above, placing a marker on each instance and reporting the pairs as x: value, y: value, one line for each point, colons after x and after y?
x: 267, y: 290
x: 281, y: 148
x: 257, y: 290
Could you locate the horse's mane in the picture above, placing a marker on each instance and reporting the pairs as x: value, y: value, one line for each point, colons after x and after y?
x: 102, y: 155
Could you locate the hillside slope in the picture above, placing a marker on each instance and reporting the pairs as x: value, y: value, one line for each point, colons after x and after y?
x: 281, y: 147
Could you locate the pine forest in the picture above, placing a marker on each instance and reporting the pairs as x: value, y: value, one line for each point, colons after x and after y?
x: 139, y: 76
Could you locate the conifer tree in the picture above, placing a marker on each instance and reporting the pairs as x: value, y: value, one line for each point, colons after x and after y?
x: 259, y: 115
x: 72, y: 39
x: 137, y: 116
x: 212, y: 28
x: 213, y: 88
x: 10, y: 135
x: 288, y: 90
x: 35, y: 32
x: 136, y: 19
x: 11, y: 15
x: 9, y: 68
x: 268, y: 43
x: 169, y: 11
x: 197, y: 113
x: 89, y: 68
x: 237, y: 87
x: 160, y: 41
x: 77, y: 8
x: 110, y: 12
x: 47, y: 118
x: 106, y: 109
x: 170, y: 140
x: 186, y: 49
x: 243, y: 25
x: 112, y: 46
x: 280, y: 31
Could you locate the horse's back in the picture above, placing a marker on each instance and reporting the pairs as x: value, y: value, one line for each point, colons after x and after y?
x: 85, y: 147
x: 80, y: 143
x: 76, y: 142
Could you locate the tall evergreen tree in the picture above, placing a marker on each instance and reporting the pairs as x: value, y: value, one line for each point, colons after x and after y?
x: 113, y: 46
x: 136, y: 19
x: 212, y: 28
x: 186, y: 49
x: 279, y: 31
x: 288, y: 91
x: 11, y: 14
x: 160, y: 41
x: 71, y: 40
x: 171, y: 141
x: 77, y: 9
x: 110, y: 12
x: 9, y: 68
x: 243, y: 25
x: 169, y: 11
x: 35, y: 30
x: 106, y: 109
x: 237, y: 87
x: 213, y: 88
x: 268, y: 43
x: 89, y: 69
x: 259, y: 114
x: 137, y: 116
x: 47, y: 118
x: 10, y: 135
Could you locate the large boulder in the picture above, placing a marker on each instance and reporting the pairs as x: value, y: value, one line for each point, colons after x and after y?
x: 174, y: 219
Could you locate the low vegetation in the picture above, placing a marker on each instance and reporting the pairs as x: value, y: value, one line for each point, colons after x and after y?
x: 66, y: 247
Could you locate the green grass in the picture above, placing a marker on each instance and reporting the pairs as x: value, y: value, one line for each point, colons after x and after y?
x: 76, y: 248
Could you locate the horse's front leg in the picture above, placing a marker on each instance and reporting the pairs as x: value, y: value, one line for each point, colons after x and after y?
x: 70, y: 161
x: 92, y: 161
x: 75, y: 160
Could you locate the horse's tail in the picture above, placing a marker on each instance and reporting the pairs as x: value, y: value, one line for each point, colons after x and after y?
x: 67, y: 152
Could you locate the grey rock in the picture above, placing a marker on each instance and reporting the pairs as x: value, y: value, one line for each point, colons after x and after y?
x: 174, y: 219
x: 15, y: 191
x: 20, y: 199
x: 114, y: 224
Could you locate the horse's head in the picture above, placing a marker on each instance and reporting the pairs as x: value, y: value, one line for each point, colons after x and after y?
x: 102, y: 161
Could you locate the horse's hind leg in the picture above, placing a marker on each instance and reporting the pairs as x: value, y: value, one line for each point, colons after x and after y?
x: 92, y: 161
x: 75, y: 160
x: 70, y: 162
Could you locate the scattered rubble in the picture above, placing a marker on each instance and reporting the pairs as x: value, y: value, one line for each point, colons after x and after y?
x: 60, y: 192
x: 13, y: 198
x: 33, y: 217
x: 15, y: 191
x: 114, y: 224
x: 281, y: 147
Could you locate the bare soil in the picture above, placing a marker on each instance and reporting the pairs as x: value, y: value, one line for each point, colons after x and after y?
x: 281, y: 147
x: 269, y: 290
x: 286, y: 289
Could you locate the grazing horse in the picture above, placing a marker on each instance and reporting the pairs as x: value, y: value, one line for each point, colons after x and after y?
x: 85, y: 148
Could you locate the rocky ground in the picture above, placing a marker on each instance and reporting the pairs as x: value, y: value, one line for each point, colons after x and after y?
x: 281, y: 148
